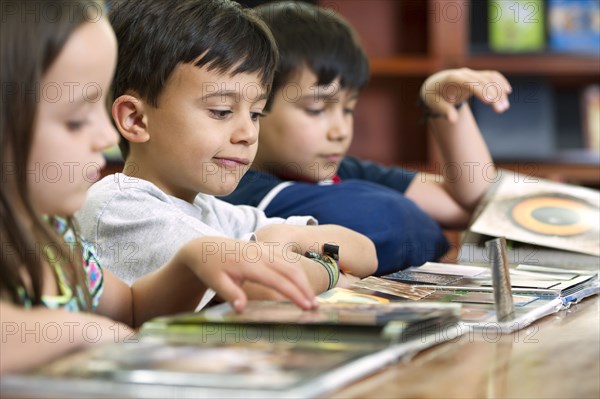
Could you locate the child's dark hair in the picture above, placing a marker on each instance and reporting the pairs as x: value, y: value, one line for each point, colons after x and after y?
x: 316, y: 37
x: 29, y: 44
x: 156, y: 35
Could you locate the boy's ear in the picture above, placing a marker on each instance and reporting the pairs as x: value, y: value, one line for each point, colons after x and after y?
x: 130, y: 118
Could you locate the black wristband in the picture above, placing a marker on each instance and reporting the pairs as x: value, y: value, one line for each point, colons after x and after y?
x: 428, y: 113
x: 332, y: 250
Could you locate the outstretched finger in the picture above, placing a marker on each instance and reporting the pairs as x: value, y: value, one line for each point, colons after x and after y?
x: 298, y: 278
x: 288, y: 281
x: 229, y: 289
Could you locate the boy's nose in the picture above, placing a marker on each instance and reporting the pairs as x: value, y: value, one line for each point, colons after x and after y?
x: 339, y: 129
x: 245, y: 133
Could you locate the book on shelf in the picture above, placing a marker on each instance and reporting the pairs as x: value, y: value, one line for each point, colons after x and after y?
x: 271, y: 350
x: 591, y: 117
x: 574, y: 26
x: 516, y: 26
x: 525, y: 130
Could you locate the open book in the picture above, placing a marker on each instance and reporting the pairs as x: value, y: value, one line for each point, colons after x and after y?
x: 271, y: 350
x: 477, y: 310
x: 552, y: 258
x: 536, y: 291
x: 554, y: 224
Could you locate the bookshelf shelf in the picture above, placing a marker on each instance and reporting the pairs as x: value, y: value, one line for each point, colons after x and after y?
x: 538, y: 64
x: 543, y: 65
x: 404, y: 66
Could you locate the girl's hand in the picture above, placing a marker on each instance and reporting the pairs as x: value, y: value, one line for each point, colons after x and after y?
x: 226, y: 269
x: 443, y: 90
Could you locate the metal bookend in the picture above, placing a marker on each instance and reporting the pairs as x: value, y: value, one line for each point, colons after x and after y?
x: 503, y: 300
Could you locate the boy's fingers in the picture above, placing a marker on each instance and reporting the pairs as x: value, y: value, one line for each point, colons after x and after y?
x: 298, y: 280
x: 290, y: 283
x: 493, y: 89
x: 230, y: 290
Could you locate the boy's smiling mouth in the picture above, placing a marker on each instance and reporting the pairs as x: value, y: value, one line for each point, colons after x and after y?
x: 332, y: 157
x: 231, y: 162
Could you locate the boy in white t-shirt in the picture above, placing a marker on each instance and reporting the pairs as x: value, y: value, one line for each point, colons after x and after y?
x: 188, y: 94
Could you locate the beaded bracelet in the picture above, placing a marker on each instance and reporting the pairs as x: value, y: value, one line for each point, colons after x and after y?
x: 329, y: 263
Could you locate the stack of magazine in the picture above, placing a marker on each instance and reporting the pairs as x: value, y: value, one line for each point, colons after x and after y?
x: 551, y: 228
x: 536, y: 291
x: 550, y: 223
x: 553, y: 233
x: 271, y: 350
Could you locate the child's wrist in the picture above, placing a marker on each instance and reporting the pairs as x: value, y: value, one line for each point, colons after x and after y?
x: 429, y: 113
x: 329, y: 263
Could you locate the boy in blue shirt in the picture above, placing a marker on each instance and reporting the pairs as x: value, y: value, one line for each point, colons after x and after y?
x: 302, y: 168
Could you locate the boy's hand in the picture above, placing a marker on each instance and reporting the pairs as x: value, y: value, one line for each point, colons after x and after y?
x: 347, y: 280
x: 445, y: 89
x: 226, y: 274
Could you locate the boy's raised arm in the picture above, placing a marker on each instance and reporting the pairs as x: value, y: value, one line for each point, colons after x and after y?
x: 465, y: 157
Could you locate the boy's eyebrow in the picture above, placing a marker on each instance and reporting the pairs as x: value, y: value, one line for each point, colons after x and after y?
x: 233, y: 94
x: 317, y: 96
x: 324, y: 96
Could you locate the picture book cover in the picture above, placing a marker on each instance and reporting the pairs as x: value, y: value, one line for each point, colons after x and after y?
x: 173, y: 367
x: 574, y: 26
x: 348, y: 322
x: 516, y: 26
x: 541, y: 212
x: 524, y: 279
x: 477, y: 309
x: 591, y: 117
x: 477, y: 303
x: 271, y: 350
x: 537, y: 291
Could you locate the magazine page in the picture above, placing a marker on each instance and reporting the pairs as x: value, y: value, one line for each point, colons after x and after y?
x: 541, y: 212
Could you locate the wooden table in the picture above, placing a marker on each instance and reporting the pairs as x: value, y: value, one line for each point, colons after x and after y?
x: 557, y: 357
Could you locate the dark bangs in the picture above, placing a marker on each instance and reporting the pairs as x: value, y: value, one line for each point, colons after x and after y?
x: 156, y: 35
x: 246, y: 44
x: 318, y: 38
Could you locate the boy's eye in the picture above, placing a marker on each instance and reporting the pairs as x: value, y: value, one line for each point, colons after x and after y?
x: 349, y: 111
x: 313, y: 111
x: 256, y: 115
x: 220, y: 114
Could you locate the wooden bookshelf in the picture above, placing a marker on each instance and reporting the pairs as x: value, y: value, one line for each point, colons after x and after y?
x: 408, y: 40
x: 404, y: 66
x: 543, y: 64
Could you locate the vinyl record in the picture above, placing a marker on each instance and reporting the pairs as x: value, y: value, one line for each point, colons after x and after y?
x: 555, y: 215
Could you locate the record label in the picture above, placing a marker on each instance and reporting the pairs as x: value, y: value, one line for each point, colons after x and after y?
x: 551, y: 215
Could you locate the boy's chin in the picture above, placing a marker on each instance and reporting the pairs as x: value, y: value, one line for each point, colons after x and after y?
x: 226, y: 189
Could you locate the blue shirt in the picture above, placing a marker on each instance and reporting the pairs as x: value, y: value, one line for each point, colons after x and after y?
x: 368, y: 199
